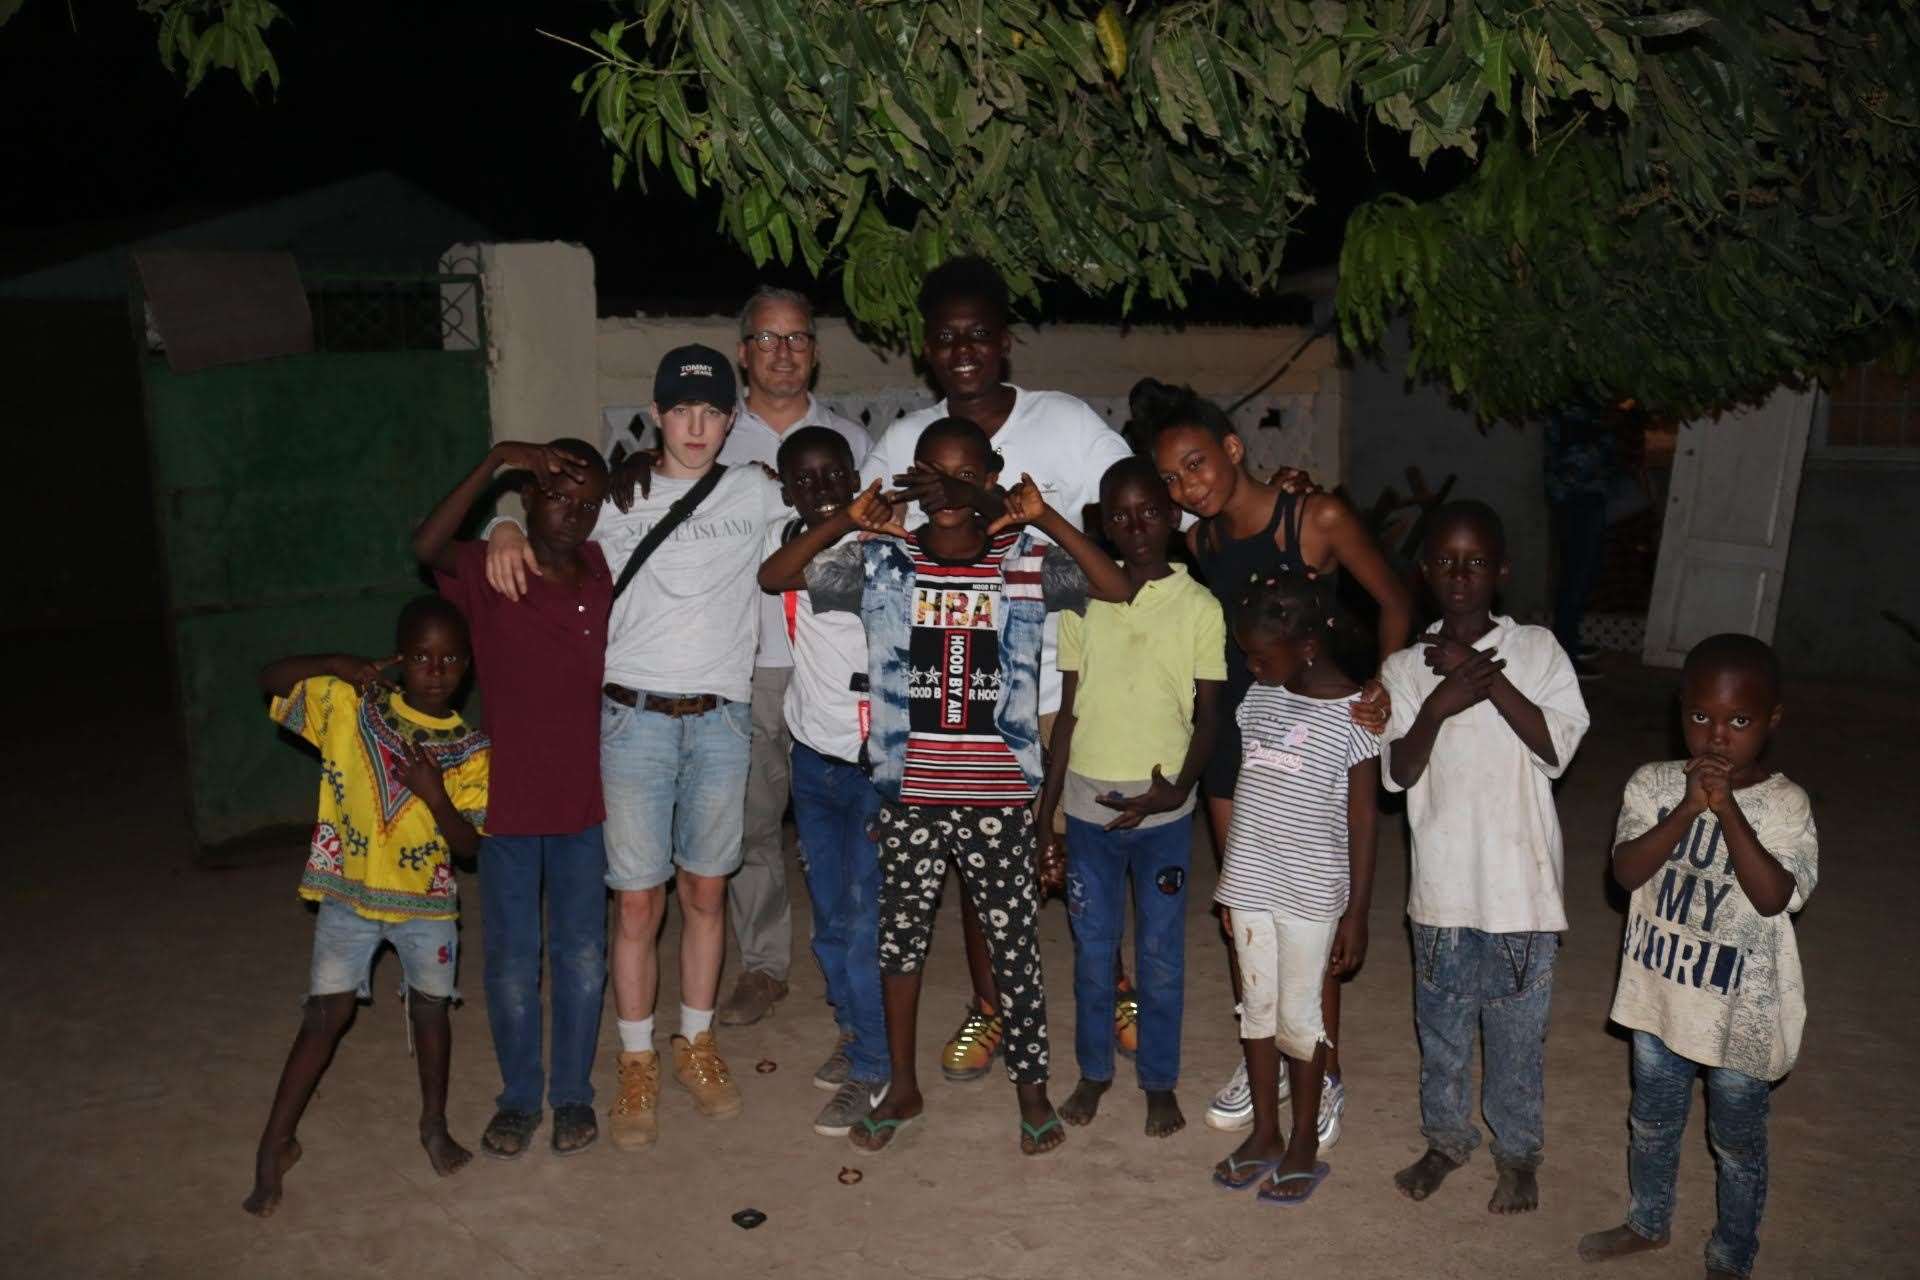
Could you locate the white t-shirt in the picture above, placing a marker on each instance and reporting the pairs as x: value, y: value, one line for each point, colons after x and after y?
x: 1487, y: 852
x: 1057, y: 439
x: 752, y: 441
x: 823, y: 709
x: 687, y: 623
x: 1700, y: 968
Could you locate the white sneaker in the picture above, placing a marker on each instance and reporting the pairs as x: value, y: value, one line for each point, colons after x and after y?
x: 1333, y: 1104
x: 1232, y: 1107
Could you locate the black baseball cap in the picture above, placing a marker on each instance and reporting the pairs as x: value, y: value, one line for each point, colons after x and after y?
x: 694, y: 373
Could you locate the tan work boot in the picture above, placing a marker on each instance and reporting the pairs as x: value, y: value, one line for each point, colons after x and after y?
x: 753, y: 998
x: 634, y: 1121
x: 702, y: 1072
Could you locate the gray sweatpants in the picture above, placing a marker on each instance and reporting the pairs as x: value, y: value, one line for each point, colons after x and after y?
x: 757, y: 895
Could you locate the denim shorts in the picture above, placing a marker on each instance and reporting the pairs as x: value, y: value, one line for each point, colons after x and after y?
x: 344, y: 942
x: 676, y: 791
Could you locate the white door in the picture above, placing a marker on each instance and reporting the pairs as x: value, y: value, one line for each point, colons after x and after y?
x: 1729, y: 517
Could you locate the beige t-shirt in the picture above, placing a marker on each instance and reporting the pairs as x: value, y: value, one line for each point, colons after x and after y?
x: 1700, y: 968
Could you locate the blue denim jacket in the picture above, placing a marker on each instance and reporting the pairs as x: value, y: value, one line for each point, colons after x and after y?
x: 876, y: 579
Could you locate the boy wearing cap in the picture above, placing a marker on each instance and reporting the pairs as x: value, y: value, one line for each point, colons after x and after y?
x: 675, y: 725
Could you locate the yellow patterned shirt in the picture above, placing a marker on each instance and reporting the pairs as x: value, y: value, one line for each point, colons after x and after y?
x: 376, y: 847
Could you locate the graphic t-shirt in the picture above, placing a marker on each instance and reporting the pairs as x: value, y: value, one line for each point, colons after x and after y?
x: 827, y: 702
x: 376, y: 847
x: 1700, y: 968
x: 1287, y: 845
x: 955, y: 754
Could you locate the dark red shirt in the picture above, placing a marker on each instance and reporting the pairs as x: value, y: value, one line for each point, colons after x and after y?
x: 539, y: 663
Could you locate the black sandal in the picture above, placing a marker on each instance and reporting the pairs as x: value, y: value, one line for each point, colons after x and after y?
x: 509, y: 1134
x: 574, y: 1129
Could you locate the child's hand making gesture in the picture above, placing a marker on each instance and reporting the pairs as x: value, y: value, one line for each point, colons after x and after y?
x: 1025, y: 505
x: 1469, y: 676
x: 364, y: 674
x: 874, y: 512
x: 1709, y: 788
x: 421, y: 774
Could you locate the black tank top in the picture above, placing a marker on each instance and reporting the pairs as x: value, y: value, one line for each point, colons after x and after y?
x: 1231, y: 565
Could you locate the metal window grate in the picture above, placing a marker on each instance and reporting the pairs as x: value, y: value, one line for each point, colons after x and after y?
x: 395, y: 312
x: 1872, y: 411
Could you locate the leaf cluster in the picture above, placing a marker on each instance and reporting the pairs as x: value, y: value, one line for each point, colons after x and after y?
x: 197, y: 36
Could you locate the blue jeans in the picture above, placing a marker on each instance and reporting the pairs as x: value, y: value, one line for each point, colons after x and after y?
x: 1500, y: 985
x: 573, y: 869
x: 833, y: 804
x: 1580, y: 528
x: 1100, y: 865
x: 676, y: 790
x: 1737, y: 1130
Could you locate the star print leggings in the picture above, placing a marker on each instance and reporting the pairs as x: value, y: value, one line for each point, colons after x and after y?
x: 992, y: 849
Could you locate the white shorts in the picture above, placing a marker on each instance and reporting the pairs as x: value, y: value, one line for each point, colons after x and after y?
x: 1283, y: 963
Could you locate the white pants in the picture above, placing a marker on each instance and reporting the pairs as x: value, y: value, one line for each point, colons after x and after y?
x: 1283, y: 963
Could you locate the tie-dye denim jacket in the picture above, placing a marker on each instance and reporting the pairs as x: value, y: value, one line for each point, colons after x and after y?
x: 875, y: 579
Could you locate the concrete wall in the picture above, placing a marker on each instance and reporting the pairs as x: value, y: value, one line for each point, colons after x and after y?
x: 1099, y: 363
x: 1394, y: 426
x: 1850, y: 561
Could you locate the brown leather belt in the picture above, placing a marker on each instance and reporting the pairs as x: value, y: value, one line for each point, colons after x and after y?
x: 693, y: 705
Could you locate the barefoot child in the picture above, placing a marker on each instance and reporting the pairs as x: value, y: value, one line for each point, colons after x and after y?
x: 1140, y: 692
x: 833, y: 794
x: 1486, y: 713
x: 1250, y: 531
x: 403, y: 788
x: 540, y: 662
x: 1717, y: 850
x: 1297, y: 878
x: 953, y: 614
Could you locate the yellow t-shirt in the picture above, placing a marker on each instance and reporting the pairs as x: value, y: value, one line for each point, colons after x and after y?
x: 376, y: 848
x: 1137, y: 663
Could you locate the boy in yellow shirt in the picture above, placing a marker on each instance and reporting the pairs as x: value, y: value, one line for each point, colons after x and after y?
x: 1139, y: 704
x: 403, y: 788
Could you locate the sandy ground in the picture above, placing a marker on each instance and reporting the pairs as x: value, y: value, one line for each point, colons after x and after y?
x: 150, y: 1003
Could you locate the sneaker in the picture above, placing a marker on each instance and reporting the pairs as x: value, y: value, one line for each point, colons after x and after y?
x: 1126, y: 1019
x: 1232, y: 1107
x: 1585, y: 670
x: 753, y: 998
x: 633, y: 1120
x: 851, y: 1103
x: 1333, y: 1105
x: 969, y: 1055
x: 701, y: 1071
x: 834, y: 1071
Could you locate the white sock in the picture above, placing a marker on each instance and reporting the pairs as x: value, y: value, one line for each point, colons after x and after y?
x: 694, y: 1021
x: 636, y: 1037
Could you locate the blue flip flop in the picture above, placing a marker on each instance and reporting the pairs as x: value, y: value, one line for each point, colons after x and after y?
x: 1318, y: 1176
x: 1253, y: 1171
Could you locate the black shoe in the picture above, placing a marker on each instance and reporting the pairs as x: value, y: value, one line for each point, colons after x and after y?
x: 509, y: 1134
x: 1586, y: 670
x: 574, y: 1129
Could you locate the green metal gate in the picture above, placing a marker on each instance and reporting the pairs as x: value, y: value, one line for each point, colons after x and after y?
x: 286, y: 493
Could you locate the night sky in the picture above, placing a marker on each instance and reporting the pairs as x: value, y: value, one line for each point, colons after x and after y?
x: 464, y: 99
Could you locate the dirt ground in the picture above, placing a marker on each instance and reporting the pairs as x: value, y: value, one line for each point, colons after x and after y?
x: 151, y: 1002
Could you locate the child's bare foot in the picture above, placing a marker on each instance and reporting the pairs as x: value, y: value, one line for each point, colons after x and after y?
x: 1040, y: 1127
x: 1423, y: 1177
x: 447, y: 1156
x: 269, y: 1167
x: 876, y: 1130
x: 1514, y: 1191
x: 1163, y: 1114
x: 1083, y: 1104
x: 1615, y: 1242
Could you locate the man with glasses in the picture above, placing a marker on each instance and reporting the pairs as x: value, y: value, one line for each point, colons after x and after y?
x: 777, y: 351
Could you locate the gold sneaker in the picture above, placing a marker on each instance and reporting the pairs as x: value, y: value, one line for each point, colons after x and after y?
x: 633, y: 1120
x: 969, y: 1055
x: 1126, y: 1019
x: 702, y: 1072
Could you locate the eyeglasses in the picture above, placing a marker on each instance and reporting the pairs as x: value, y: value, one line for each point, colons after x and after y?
x: 587, y: 505
x: 799, y: 342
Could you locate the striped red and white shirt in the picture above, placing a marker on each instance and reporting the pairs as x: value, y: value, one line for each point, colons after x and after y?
x: 955, y: 754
